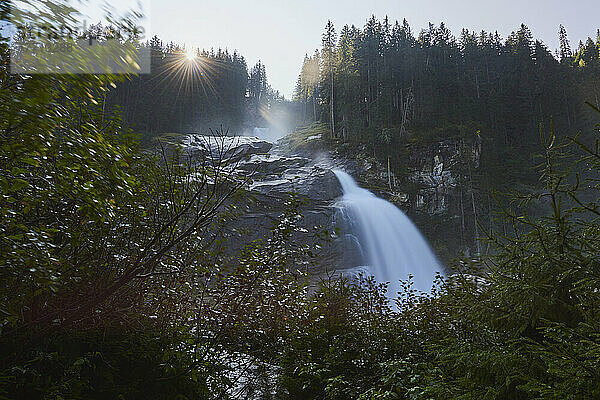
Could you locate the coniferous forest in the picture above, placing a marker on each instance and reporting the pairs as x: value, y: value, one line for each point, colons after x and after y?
x: 174, y: 97
x: 387, y: 76
x: 389, y: 82
x: 126, y: 271
x: 396, y: 92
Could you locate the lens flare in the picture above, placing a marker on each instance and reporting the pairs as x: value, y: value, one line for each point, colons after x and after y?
x: 190, y: 55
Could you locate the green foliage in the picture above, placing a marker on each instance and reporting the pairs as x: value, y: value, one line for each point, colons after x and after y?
x: 523, y: 325
x: 61, y: 179
x: 101, y: 366
x: 112, y: 287
x: 95, y: 234
x: 345, y: 337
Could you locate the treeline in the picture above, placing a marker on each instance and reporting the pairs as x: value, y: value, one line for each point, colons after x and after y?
x: 383, y: 76
x: 193, y: 91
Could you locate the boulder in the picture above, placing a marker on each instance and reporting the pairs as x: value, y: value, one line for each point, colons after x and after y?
x: 229, y: 148
x: 269, y: 164
x: 314, y: 183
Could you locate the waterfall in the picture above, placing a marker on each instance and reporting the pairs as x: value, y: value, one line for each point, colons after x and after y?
x: 390, y: 246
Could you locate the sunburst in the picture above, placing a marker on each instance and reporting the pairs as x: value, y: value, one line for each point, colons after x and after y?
x: 191, y: 71
x: 190, y: 54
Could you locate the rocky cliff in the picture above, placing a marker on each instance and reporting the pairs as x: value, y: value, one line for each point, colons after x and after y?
x: 429, y: 191
x: 274, y: 173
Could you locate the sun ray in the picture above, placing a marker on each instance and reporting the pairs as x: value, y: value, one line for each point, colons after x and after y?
x: 198, y: 75
x: 190, y: 54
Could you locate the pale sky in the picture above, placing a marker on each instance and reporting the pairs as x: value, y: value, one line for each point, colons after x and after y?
x: 280, y: 32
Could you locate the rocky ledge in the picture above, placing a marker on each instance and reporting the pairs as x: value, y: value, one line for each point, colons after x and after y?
x: 274, y: 175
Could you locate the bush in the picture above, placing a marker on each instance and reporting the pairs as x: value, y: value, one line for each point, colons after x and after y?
x: 523, y: 324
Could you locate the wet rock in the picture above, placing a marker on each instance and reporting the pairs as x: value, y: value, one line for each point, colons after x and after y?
x: 275, y: 174
x: 228, y: 148
x: 434, y: 177
x: 270, y: 164
x: 314, y: 183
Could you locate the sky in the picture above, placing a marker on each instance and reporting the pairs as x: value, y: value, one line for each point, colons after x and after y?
x: 281, y: 32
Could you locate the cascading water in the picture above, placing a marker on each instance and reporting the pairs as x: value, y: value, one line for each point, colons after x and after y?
x: 388, y: 244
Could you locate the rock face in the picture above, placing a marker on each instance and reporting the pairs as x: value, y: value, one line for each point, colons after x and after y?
x: 433, y: 188
x: 313, y: 182
x: 429, y: 193
x: 274, y: 176
x: 433, y: 175
x: 437, y: 172
x: 266, y: 165
x: 229, y: 148
x: 431, y: 184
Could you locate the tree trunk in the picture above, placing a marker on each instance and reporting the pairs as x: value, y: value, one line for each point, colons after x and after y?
x: 477, y: 246
x: 462, y: 218
x: 331, y: 101
x: 314, y: 107
x: 389, y: 173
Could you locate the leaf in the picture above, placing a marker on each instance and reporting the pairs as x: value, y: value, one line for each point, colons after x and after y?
x: 18, y: 184
x: 31, y: 161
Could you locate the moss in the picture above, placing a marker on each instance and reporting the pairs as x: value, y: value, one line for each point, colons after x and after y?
x: 304, y: 139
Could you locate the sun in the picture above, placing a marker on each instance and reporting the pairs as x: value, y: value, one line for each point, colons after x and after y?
x: 191, y: 70
x: 190, y: 55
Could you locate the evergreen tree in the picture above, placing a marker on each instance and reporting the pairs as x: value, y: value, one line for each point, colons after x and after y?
x: 565, y: 45
x: 328, y: 53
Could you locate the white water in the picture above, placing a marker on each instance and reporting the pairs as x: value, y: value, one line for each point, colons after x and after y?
x: 391, y: 245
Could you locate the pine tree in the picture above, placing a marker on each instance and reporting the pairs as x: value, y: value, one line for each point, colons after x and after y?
x: 565, y: 45
x: 329, y: 44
